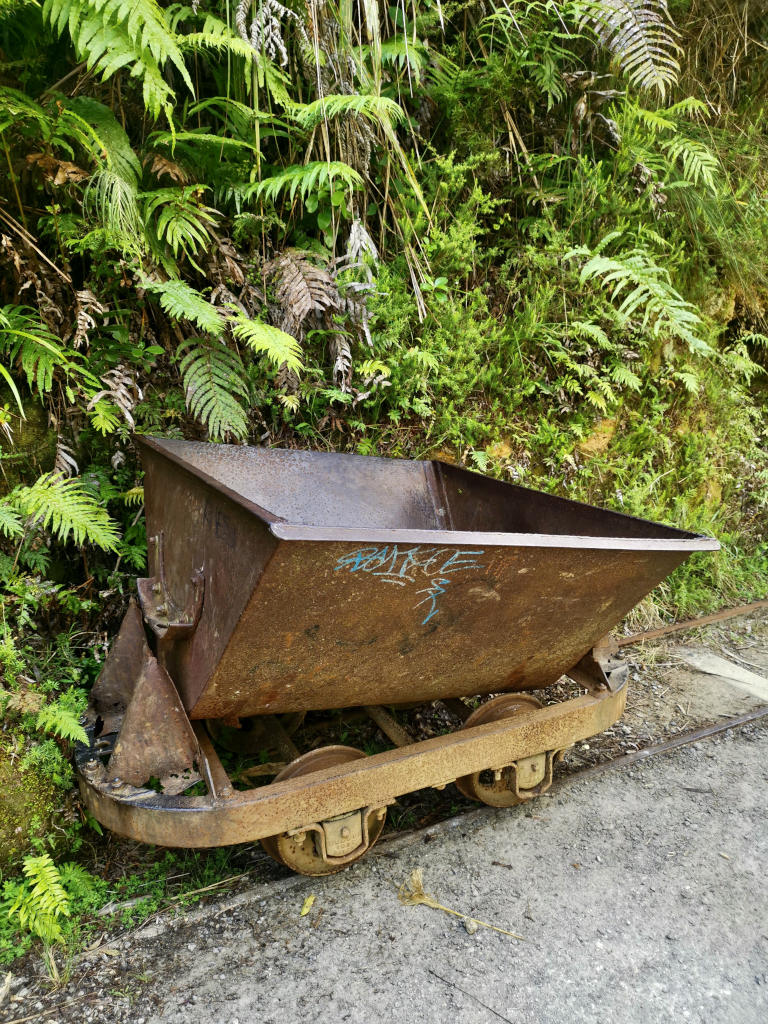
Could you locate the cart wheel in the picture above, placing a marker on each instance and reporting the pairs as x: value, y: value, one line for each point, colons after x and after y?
x: 498, y: 789
x: 327, y: 846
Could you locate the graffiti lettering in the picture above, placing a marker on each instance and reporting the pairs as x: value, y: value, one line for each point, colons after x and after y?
x: 404, y: 565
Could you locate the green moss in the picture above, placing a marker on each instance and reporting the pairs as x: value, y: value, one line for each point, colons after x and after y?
x: 28, y: 808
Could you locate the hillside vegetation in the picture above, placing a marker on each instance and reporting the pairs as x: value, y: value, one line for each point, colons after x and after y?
x: 529, y: 236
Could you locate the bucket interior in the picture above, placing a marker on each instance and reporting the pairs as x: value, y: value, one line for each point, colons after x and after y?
x: 326, y: 489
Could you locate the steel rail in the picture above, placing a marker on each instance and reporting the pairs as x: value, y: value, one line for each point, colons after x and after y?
x: 703, y: 620
x: 681, y: 740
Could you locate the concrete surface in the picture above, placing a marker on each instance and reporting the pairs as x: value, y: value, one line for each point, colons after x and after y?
x: 640, y: 893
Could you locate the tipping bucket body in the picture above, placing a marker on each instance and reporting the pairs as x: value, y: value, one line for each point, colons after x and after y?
x: 307, y: 581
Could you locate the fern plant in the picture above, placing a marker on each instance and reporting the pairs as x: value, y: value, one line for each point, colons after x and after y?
x: 377, y: 110
x: 213, y: 377
x: 640, y: 37
x: 644, y: 288
x: 278, y: 347
x: 28, y: 344
x: 113, y: 34
x: 183, y: 302
x: 63, y: 506
x: 41, y: 901
x: 179, y: 219
x: 61, y: 717
x: 306, y: 179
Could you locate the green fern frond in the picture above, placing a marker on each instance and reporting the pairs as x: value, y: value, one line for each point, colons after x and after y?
x: 306, y: 179
x: 688, y: 379
x: 639, y: 35
x: 134, y: 496
x: 104, y: 417
x: 179, y: 219
x: 11, y: 523
x: 113, y: 34
x: 61, y: 722
x: 218, y: 37
x: 593, y: 332
x: 25, y: 339
x: 16, y: 108
x: 67, y: 509
x: 42, y: 900
x: 213, y: 381
x: 622, y: 375
x: 644, y: 288
x: 402, y: 52
x: 114, y: 144
x: 275, y: 344
x: 238, y: 118
x: 183, y: 302
x: 698, y: 162
x: 376, y: 109
x: 112, y: 199
x: 202, y: 138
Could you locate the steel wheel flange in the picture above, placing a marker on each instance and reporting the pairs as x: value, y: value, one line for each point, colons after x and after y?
x: 324, y: 847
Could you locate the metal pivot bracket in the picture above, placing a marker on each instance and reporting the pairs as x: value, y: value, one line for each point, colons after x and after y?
x: 600, y: 669
x: 163, y: 616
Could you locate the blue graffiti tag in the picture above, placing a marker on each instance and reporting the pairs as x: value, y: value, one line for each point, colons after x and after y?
x: 398, y: 565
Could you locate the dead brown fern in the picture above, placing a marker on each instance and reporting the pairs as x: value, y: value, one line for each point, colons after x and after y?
x: 302, y: 288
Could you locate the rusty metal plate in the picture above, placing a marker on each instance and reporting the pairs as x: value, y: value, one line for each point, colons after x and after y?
x: 335, y: 625
x: 334, y: 580
x: 112, y: 691
x: 156, y: 739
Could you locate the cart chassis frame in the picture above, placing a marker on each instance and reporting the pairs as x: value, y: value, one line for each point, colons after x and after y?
x: 225, y: 816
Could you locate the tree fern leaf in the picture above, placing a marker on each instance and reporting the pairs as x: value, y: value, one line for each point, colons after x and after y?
x: 376, y: 109
x: 11, y: 523
x: 622, y: 375
x: 699, y: 163
x: 67, y: 509
x: 213, y: 382
x: 646, y: 289
x: 306, y: 179
x: 275, y: 344
x: 111, y: 34
x: 183, y: 302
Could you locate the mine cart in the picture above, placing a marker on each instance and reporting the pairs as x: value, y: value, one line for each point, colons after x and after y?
x: 290, y: 582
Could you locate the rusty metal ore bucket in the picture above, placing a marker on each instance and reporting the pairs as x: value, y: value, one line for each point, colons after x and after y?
x: 285, y: 581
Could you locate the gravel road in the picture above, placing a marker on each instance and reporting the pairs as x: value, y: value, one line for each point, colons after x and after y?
x: 639, y: 893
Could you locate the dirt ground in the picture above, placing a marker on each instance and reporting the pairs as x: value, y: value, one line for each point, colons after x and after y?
x: 638, y: 892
